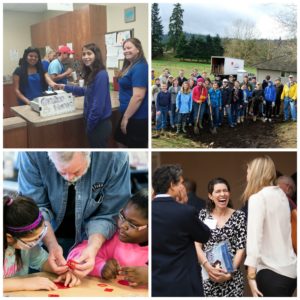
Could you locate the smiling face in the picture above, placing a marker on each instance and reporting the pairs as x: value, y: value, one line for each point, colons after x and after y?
x: 32, y: 58
x: 132, y: 225
x: 220, y: 195
x: 130, y: 51
x: 88, y: 57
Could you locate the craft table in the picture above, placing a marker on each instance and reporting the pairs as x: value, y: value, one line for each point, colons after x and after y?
x: 89, y: 287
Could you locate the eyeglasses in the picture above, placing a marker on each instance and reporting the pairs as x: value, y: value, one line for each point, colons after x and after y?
x: 33, y: 243
x: 122, y: 219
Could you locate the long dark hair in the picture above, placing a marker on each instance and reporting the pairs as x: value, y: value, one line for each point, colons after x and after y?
x: 140, y: 57
x: 88, y: 74
x: 18, y: 211
x: 210, y: 188
x: 24, y: 68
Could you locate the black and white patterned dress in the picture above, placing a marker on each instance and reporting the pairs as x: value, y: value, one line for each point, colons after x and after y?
x: 234, y: 231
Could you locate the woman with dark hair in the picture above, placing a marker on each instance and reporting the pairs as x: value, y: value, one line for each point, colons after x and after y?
x: 229, y: 226
x: 132, y: 131
x: 97, y: 102
x: 30, y: 79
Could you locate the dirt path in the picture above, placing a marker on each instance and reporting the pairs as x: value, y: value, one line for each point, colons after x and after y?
x: 247, y: 135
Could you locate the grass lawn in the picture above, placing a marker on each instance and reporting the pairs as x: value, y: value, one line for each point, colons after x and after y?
x: 174, y: 65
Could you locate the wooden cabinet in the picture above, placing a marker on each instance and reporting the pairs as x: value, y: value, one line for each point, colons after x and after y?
x: 9, y: 100
x: 87, y: 25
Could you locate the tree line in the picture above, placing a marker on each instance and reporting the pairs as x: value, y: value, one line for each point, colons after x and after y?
x: 242, y: 42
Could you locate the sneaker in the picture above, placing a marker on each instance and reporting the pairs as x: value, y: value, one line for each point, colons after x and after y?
x: 231, y: 126
x: 265, y: 120
x: 254, y: 118
x: 270, y: 120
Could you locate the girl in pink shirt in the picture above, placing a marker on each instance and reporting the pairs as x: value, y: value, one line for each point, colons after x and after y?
x: 127, y: 251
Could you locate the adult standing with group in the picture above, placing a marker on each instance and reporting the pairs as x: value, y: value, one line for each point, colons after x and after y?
x: 97, y: 102
x: 175, y: 228
x: 271, y: 260
x: 79, y: 195
x: 30, y: 80
x: 132, y: 130
x: 227, y: 226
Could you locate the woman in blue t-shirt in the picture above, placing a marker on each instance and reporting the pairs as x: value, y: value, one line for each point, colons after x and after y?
x: 132, y: 130
x: 30, y: 79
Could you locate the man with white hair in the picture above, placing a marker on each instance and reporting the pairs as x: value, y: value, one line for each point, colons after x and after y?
x: 287, y: 184
x: 79, y: 195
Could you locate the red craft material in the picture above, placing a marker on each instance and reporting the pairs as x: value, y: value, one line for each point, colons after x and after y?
x: 53, y: 295
x: 123, y: 282
x: 72, y: 264
x: 102, y: 284
x: 60, y: 285
x: 108, y: 290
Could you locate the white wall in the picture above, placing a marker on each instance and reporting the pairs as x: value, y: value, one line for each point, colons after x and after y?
x: 115, y: 22
x: 16, y: 36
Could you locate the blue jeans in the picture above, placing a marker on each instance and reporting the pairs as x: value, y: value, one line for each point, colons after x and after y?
x: 182, y: 118
x: 161, y: 119
x: 174, y: 115
x: 234, y: 111
x: 228, y: 113
x: 196, y: 109
x: 216, y: 113
x: 288, y: 102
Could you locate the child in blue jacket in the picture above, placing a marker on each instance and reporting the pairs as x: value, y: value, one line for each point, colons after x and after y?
x: 215, y: 97
x: 183, y: 106
x: 270, y: 98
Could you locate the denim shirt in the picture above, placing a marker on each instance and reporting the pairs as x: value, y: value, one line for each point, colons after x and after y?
x: 100, y: 193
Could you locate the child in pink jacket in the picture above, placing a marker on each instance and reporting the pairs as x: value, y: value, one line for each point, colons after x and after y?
x: 127, y: 251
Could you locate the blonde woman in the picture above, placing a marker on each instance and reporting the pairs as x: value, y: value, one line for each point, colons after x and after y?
x: 271, y: 261
x: 183, y: 106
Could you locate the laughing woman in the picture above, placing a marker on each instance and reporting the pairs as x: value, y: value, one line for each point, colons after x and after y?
x: 97, y: 102
x: 227, y: 225
x: 132, y: 131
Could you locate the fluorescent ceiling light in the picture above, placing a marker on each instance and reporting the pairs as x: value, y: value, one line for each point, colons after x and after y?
x: 60, y: 6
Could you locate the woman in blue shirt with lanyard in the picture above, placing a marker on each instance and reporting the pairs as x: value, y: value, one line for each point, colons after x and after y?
x: 132, y: 130
x: 30, y: 79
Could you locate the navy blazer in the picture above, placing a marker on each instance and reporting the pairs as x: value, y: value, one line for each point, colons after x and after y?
x: 175, y: 267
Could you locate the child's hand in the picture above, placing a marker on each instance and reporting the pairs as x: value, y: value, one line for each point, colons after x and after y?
x: 38, y: 283
x: 110, y: 269
x: 69, y: 279
x: 136, y: 276
x: 158, y: 113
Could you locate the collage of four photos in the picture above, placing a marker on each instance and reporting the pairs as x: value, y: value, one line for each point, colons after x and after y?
x: 150, y: 149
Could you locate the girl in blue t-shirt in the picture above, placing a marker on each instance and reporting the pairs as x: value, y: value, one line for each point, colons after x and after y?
x: 30, y: 79
x: 132, y: 130
x: 23, y: 229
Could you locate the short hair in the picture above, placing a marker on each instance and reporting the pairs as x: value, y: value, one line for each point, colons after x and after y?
x: 164, y: 176
x: 64, y: 157
x: 140, y: 201
x: 288, y: 180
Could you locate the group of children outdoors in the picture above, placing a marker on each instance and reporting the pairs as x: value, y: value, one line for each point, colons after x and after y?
x: 180, y: 101
x: 126, y: 253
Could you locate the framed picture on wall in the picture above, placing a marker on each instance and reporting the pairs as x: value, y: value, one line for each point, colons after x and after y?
x: 129, y: 14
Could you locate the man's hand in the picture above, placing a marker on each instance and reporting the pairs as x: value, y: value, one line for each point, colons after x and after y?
x: 110, y: 269
x: 56, y: 260
x: 85, y: 263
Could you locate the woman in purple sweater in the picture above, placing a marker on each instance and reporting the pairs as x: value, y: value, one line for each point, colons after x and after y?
x: 97, y: 102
